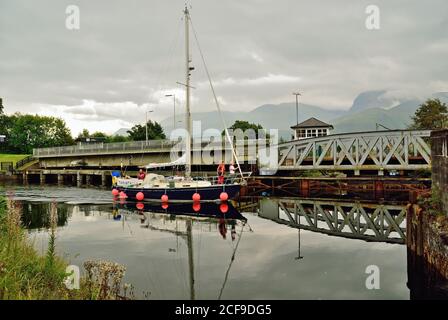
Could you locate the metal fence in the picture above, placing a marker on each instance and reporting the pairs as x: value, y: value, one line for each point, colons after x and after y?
x: 135, y: 147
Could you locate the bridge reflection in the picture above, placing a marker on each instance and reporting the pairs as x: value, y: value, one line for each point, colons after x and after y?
x: 355, y: 220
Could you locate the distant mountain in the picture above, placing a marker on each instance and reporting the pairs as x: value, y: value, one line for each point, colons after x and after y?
x: 281, y: 116
x: 122, y: 132
x: 398, y: 117
x: 368, y: 100
x: 368, y: 109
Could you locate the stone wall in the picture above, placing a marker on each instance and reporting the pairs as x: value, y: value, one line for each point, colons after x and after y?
x: 439, y: 160
x: 427, y: 242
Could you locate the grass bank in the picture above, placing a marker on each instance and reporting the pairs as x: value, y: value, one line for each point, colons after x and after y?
x: 26, y: 275
x: 14, y: 158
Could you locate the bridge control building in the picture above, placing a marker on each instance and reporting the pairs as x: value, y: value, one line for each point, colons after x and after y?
x: 311, y: 128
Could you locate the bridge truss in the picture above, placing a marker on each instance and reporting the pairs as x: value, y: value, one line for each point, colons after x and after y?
x: 377, y: 150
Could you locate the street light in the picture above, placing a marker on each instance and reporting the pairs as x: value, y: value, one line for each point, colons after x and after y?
x: 297, y: 94
x: 148, y: 111
x: 174, y: 102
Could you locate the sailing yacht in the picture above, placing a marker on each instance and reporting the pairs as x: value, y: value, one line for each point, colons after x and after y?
x: 186, y: 188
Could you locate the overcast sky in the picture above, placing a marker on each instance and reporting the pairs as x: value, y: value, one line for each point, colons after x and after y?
x: 128, y: 54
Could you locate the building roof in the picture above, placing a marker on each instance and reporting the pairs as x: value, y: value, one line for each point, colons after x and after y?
x: 312, y: 123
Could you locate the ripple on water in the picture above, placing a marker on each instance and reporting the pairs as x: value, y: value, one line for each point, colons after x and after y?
x: 68, y: 195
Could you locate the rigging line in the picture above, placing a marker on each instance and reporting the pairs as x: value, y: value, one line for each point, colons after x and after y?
x: 216, y: 99
x: 199, y: 257
x: 172, y: 46
x: 127, y: 223
x: 231, y: 262
x: 178, y: 262
x: 176, y: 265
x: 148, y: 273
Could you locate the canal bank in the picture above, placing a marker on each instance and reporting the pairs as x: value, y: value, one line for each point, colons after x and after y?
x: 427, y: 243
x: 427, y: 229
x: 27, y: 274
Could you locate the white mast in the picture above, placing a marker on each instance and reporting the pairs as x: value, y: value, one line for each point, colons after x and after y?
x: 187, y: 98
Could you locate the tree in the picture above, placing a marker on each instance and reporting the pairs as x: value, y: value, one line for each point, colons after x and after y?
x: 433, y: 114
x: 99, y: 134
x: 117, y: 139
x: 1, y: 106
x: 26, y: 132
x: 83, y: 134
x: 245, y: 126
x: 155, y: 132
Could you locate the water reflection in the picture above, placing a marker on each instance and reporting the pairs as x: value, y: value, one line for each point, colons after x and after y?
x: 365, y: 221
x: 37, y: 216
x: 181, y: 251
x: 224, y: 210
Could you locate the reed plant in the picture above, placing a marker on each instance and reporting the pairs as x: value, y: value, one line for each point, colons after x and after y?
x: 26, y: 275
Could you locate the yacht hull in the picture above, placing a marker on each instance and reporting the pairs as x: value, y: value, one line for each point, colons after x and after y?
x: 207, y: 193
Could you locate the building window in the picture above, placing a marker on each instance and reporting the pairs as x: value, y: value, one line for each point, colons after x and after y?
x: 301, y: 133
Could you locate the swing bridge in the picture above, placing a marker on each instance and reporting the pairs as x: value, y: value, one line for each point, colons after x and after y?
x: 360, y: 154
x: 361, y: 151
x: 374, y: 150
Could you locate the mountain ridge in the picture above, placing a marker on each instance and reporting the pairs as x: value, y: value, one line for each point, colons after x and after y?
x: 377, y: 109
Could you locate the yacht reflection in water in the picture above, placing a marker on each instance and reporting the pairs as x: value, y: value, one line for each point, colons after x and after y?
x: 224, y: 214
x: 224, y: 210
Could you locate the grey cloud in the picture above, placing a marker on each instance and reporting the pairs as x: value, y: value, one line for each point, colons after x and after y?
x: 128, y: 51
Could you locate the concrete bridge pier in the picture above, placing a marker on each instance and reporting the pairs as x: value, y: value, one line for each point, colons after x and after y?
x: 42, y: 178
x: 88, y: 179
x: 60, y: 179
x: 25, y: 178
x: 78, y: 179
x: 103, y: 179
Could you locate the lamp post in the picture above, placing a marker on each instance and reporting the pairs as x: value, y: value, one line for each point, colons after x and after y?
x: 297, y: 94
x: 174, y: 112
x: 148, y: 111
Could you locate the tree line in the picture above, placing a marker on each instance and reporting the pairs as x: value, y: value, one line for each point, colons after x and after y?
x: 24, y: 132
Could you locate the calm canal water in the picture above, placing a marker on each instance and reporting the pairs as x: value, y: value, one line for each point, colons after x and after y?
x: 264, y: 240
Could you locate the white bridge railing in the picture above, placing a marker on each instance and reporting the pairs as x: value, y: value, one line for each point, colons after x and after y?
x: 162, y: 146
x: 377, y: 150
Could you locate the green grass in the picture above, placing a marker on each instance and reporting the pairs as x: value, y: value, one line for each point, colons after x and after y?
x: 12, y: 157
x: 26, y: 275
